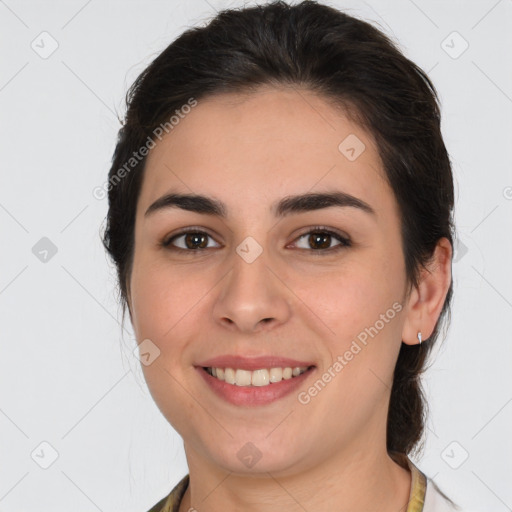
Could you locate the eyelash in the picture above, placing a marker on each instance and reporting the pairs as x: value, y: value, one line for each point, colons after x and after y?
x: 344, y: 241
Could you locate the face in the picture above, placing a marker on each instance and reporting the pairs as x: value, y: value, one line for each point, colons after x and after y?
x: 316, y: 284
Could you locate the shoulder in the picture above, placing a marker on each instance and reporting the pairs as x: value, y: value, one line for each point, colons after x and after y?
x: 426, y: 496
x: 437, y: 501
x: 171, y: 502
x: 159, y: 507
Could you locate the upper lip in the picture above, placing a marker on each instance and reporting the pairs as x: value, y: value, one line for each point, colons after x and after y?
x: 253, y: 363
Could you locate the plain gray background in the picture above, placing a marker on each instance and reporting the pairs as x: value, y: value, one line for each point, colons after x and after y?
x: 67, y: 378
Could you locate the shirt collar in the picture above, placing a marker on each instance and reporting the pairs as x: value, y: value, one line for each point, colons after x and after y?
x: 416, y: 496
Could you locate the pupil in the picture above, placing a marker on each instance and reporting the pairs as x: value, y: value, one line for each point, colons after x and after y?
x: 314, y: 238
x: 196, y: 238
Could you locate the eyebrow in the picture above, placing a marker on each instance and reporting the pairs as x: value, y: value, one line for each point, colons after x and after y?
x: 284, y: 207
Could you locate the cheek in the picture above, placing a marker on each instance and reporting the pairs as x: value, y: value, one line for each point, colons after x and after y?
x: 163, y: 299
x: 361, y: 306
x: 348, y: 300
x: 165, y: 310
x: 363, y: 309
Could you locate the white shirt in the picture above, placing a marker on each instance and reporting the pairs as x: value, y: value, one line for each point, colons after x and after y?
x: 425, y: 495
x: 435, y: 500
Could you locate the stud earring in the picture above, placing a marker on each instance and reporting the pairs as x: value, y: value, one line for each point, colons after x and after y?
x: 419, y: 337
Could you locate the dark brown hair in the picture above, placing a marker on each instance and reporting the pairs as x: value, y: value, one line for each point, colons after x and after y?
x: 350, y: 63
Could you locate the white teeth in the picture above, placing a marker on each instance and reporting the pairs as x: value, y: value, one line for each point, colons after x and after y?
x: 229, y: 375
x: 261, y: 377
x: 243, y: 378
x: 287, y: 373
x: 276, y: 374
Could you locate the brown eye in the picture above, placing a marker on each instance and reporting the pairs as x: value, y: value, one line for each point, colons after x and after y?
x: 196, y: 240
x: 320, y: 240
x: 189, y: 240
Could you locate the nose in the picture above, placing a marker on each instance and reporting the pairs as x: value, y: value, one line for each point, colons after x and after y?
x: 253, y: 297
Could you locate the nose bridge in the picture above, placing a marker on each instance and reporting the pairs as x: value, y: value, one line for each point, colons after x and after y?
x: 250, y: 276
x: 250, y: 266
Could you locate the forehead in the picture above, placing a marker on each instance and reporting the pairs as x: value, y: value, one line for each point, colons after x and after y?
x: 252, y: 148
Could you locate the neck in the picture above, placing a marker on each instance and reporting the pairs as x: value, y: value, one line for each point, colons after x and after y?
x: 360, y: 481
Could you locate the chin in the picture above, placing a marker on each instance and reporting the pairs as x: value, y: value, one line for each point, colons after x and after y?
x: 242, y: 456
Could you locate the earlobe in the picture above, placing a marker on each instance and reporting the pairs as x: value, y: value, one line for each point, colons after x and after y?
x: 427, y: 299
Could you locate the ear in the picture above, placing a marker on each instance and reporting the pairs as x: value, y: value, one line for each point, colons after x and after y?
x: 426, y: 301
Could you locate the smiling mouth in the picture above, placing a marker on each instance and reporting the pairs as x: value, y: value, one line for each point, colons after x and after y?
x: 256, y: 378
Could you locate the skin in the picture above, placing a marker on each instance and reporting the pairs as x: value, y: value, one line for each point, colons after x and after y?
x: 249, y: 151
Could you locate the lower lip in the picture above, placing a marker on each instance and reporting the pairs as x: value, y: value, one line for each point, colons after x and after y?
x: 253, y: 395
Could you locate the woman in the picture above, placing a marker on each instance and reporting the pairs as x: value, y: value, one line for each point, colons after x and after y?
x: 281, y: 220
